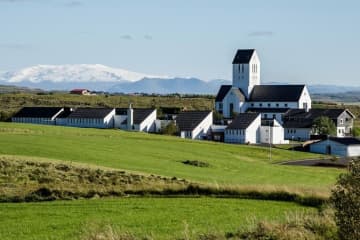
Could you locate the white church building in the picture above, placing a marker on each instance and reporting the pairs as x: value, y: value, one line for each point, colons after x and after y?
x: 247, y: 94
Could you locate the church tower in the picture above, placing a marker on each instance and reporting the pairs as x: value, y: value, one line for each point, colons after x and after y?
x: 246, y: 70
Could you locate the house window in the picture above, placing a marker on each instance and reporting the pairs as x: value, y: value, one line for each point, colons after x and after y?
x: 242, y: 68
x: 341, y: 121
x: 277, y: 105
x: 252, y: 104
x: 265, y: 115
x: 269, y: 104
x: 260, y: 104
x: 274, y: 116
x: 220, y: 106
x: 285, y: 104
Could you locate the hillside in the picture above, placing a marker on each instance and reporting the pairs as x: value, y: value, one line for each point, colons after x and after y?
x: 162, y: 155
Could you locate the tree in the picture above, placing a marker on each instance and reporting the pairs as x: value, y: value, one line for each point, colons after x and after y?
x: 346, y: 200
x: 324, y: 126
x: 170, y: 129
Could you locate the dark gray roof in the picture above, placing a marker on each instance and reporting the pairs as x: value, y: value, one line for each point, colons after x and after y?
x: 243, y: 56
x: 276, y: 93
x: 268, y: 110
x: 189, y: 120
x: 140, y: 114
x: 90, y: 113
x: 224, y: 89
x: 38, y: 112
x: 344, y: 141
x: 243, y: 120
x: 299, y: 118
x: 64, y: 114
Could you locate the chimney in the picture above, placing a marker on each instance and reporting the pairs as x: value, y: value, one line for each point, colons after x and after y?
x: 130, y: 117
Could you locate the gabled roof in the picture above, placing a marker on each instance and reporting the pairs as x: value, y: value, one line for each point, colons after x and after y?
x: 90, y: 113
x: 243, y: 120
x: 224, y: 89
x: 299, y: 118
x: 38, y: 112
x: 189, y: 120
x: 140, y: 114
x: 276, y: 93
x: 64, y: 114
x: 344, y: 141
x: 243, y: 56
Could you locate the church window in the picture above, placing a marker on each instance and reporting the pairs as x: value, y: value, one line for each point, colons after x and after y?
x: 285, y: 104
x: 242, y: 68
x: 260, y: 104
x: 269, y: 104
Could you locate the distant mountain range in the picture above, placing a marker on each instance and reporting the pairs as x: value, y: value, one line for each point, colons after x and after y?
x: 97, y: 77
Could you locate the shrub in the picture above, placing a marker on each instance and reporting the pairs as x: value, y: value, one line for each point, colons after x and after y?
x: 346, y: 199
x: 170, y: 129
x: 324, y: 126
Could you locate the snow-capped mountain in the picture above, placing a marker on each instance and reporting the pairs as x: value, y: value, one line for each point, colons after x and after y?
x: 97, y: 77
x: 73, y: 73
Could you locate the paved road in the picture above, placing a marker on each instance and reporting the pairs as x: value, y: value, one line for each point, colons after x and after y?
x: 342, y: 162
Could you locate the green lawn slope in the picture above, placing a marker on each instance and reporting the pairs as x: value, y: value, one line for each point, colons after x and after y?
x: 162, y: 155
x: 158, y: 218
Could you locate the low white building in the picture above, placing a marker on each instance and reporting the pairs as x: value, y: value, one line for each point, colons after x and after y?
x: 245, y: 128
x: 298, y: 123
x: 90, y: 118
x: 345, y: 147
x: 271, y: 132
x: 136, y: 119
x: 38, y: 115
x: 194, y: 124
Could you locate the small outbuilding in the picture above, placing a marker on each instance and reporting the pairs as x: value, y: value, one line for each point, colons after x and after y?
x: 136, y: 119
x: 90, y: 118
x: 80, y: 91
x: 245, y: 128
x: 37, y: 115
x: 345, y: 147
x: 194, y: 124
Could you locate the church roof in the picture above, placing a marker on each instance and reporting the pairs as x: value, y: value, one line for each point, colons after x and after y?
x: 243, y: 56
x: 276, y: 93
x: 243, y: 120
x: 224, y: 89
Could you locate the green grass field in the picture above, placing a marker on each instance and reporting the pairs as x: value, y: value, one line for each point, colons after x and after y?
x: 162, y: 155
x: 161, y: 218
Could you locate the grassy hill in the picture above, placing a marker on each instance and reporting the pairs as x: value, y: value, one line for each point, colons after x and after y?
x: 163, y: 155
x: 75, y: 162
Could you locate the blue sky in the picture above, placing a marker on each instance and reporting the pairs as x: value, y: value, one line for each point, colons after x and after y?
x: 315, y: 42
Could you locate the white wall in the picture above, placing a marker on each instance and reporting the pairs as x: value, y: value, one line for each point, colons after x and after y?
x: 148, y: 125
x: 304, y: 99
x: 233, y: 98
x: 248, y: 78
x: 302, y: 134
x: 272, y: 134
x: 44, y: 121
x: 336, y: 148
x: 106, y: 122
x: 203, y: 128
x: 248, y: 135
x: 118, y: 119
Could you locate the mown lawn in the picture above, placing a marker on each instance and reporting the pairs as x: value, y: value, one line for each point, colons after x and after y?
x: 161, y: 155
x: 161, y: 218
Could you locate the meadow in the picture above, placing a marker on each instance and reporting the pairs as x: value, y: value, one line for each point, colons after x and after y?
x: 113, y: 175
x: 164, y: 156
x: 159, y: 218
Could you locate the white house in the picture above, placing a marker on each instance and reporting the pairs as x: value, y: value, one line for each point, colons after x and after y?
x: 37, y: 115
x: 298, y: 123
x: 248, y: 94
x: 245, y: 128
x: 135, y: 119
x: 90, y: 118
x: 346, y: 146
x: 194, y: 124
x: 271, y: 132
